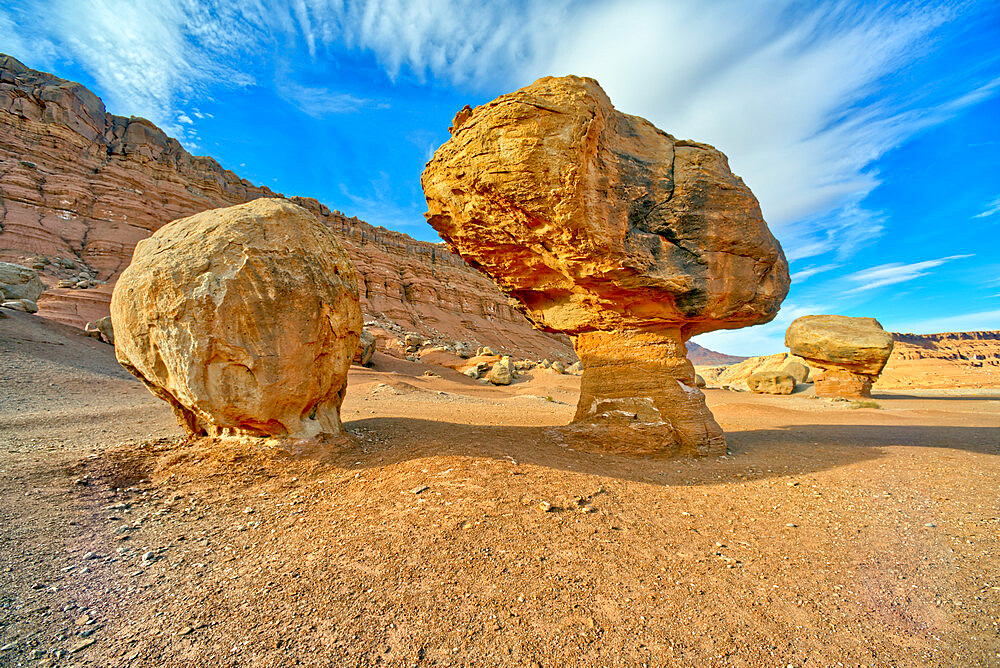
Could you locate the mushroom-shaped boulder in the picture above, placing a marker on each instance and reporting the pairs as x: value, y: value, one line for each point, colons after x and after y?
x: 244, y: 319
x: 610, y: 230
x: 849, y: 353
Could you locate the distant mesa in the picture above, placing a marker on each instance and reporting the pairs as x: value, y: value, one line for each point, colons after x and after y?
x: 244, y: 319
x: 849, y: 353
x: 603, y: 227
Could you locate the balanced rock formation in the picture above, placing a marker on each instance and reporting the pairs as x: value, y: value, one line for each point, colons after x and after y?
x: 244, y: 319
x: 771, y: 382
x: 849, y: 353
x: 608, y: 229
x: 79, y: 187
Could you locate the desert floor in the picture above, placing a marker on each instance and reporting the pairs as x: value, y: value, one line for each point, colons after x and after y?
x: 457, y: 528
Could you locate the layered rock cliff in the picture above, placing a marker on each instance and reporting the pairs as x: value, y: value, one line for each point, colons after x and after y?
x: 79, y: 187
x: 973, y: 348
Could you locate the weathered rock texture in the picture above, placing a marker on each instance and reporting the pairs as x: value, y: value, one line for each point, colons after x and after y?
x: 79, y: 187
x: 738, y: 374
x: 244, y: 319
x: 603, y: 227
x: 849, y: 353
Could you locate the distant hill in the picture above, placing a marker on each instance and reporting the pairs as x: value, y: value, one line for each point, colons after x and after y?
x: 702, y: 356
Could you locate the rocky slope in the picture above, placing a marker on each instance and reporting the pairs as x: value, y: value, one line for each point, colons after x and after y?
x: 700, y: 355
x: 79, y: 187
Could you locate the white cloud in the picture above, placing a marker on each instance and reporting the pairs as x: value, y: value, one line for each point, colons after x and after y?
x: 184, y: 118
x: 895, y: 272
x: 991, y: 209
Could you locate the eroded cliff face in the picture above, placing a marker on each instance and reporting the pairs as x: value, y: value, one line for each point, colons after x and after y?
x: 79, y: 187
x: 973, y: 348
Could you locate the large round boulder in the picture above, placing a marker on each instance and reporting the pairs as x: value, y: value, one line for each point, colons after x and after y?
x: 849, y: 353
x: 244, y: 319
x: 771, y: 382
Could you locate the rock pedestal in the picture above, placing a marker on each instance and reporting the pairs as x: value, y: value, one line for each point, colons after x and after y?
x: 605, y: 228
x: 642, y: 382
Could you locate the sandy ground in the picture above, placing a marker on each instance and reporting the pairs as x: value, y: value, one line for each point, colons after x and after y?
x: 457, y: 529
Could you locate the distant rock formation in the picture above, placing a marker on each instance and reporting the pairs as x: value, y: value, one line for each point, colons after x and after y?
x: 975, y: 348
x: 244, y: 319
x: 849, y: 352
x: 79, y: 187
x: 702, y: 356
x: 608, y: 229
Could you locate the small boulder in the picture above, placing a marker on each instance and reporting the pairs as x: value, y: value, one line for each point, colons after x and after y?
x: 575, y: 368
x: 699, y: 382
x: 412, y: 340
x: 18, y: 282
x: 502, y: 372
x: 558, y: 367
x: 472, y: 372
x: 24, y: 305
x: 771, y: 382
x: 366, y: 349
x: 106, y: 329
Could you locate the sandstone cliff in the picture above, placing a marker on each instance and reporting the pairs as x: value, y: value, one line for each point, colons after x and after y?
x: 79, y: 187
x: 966, y: 347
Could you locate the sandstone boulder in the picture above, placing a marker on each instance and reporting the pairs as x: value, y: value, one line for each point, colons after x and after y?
x: 502, y: 372
x: 24, y: 305
x: 244, y: 319
x: 603, y: 227
x: 699, y: 382
x: 366, y: 348
x: 106, y: 328
x: 558, y: 367
x: 771, y: 382
x: 848, y: 353
x: 17, y: 282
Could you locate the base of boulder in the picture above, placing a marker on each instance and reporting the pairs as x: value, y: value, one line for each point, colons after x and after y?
x: 842, y: 383
x: 638, y: 395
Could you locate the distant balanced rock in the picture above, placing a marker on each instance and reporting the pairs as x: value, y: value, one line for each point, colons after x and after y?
x: 849, y: 353
x: 771, y: 382
x: 608, y: 229
x: 17, y: 282
x: 244, y: 319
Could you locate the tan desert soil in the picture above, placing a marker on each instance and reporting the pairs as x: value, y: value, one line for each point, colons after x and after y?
x: 457, y: 528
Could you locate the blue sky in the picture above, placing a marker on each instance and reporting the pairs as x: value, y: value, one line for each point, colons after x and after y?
x: 869, y: 131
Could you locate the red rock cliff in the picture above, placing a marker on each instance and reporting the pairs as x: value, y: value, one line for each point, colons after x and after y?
x: 970, y: 347
x: 80, y: 187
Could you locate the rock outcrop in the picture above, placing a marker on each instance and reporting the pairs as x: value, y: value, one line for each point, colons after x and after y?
x: 738, y: 374
x: 79, y: 187
x: 849, y: 353
x: 366, y: 348
x: 608, y: 229
x: 244, y: 319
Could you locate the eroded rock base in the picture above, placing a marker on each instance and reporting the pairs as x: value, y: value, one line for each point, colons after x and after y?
x: 638, y: 395
x: 842, y: 383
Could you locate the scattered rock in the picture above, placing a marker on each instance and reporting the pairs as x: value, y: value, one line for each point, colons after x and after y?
x: 106, y: 329
x: 418, y: 490
x: 502, y: 372
x: 558, y: 367
x: 244, y: 319
x: 628, y: 239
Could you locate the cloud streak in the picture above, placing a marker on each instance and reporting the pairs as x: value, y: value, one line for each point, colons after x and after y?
x: 895, y: 272
x: 991, y: 209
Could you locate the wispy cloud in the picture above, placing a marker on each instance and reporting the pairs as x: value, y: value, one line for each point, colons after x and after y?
x: 808, y: 272
x: 991, y: 209
x: 895, y: 272
x: 320, y: 102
